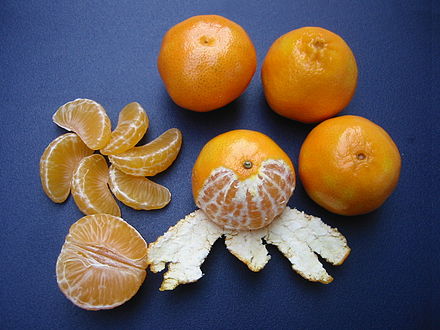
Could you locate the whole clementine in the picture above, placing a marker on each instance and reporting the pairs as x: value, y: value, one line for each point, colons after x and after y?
x: 206, y: 62
x: 309, y: 74
x: 242, y: 180
x: 349, y: 165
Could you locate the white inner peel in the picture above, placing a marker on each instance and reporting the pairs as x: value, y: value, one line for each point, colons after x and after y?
x: 300, y: 237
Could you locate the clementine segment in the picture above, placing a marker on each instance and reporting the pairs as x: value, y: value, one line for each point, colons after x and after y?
x: 206, y: 62
x: 349, y: 165
x: 58, y: 163
x: 151, y: 158
x: 86, y: 118
x: 242, y: 180
x: 309, y: 74
x: 102, y: 262
x: 90, y: 187
x: 132, y: 125
x: 137, y: 192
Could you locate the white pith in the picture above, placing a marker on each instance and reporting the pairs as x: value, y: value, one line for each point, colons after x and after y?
x: 300, y: 237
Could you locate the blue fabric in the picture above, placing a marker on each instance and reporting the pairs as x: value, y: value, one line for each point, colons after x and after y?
x: 55, y: 51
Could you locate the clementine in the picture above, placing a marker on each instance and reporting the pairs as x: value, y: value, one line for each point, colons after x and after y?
x: 242, y: 180
x: 309, y: 74
x: 206, y: 62
x: 349, y: 165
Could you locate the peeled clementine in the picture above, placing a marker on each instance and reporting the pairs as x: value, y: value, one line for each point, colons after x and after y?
x: 309, y: 74
x: 242, y: 180
x: 206, y: 62
x: 349, y: 165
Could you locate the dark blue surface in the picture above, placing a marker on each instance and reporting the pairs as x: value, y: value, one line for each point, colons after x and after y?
x: 53, y: 53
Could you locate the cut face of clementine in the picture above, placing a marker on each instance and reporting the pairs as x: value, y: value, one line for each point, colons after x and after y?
x: 57, y: 164
x: 242, y: 180
x: 102, y: 262
x: 86, y: 118
x: 309, y: 74
x: 90, y: 187
x: 349, y: 165
x: 206, y: 62
x: 132, y: 125
x: 137, y: 192
x: 151, y: 158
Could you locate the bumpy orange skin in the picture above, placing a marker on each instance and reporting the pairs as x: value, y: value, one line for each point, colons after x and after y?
x: 206, y: 62
x: 309, y: 74
x: 236, y: 196
x: 349, y: 165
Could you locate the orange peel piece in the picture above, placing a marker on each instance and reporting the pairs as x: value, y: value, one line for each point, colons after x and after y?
x: 300, y: 237
x: 183, y: 247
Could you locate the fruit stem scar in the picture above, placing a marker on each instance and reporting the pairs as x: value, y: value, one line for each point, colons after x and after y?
x: 247, y: 164
x: 361, y: 156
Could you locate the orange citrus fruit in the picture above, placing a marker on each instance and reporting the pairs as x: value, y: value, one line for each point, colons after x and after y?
x: 349, y: 165
x: 132, y: 125
x: 206, y: 62
x: 151, y: 158
x: 309, y: 74
x: 57, y: 164
x: 90, y: 187
x: 86, y: 118
x: 137, y: 192
x: 102, y: 262
x: 242, y: 180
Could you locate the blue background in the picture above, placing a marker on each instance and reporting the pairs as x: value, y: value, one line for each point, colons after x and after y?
x: 53, y: 52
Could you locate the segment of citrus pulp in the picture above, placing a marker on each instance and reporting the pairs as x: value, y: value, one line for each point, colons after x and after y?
x: 309, y: 74
x: 151, y: 158
x: 86, y: 118
x: 137, y: 192
x: 206, y: 62
x: 242, y: 180
x: 349, y: 165
x: 132, y: 125
x: 102, y: 262
x: 58, y: 163
x: 90, y: 187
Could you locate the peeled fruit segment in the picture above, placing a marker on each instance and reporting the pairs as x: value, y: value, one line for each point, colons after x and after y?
x: 86, y: 118
x: 57, y: 164
x: 89, y: 187
x: 152, y: 158
x: 137, y: 192
x: 102, y: 262
x: 132, y: 124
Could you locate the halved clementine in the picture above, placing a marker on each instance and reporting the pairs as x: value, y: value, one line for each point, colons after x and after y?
x: 102, y: 262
